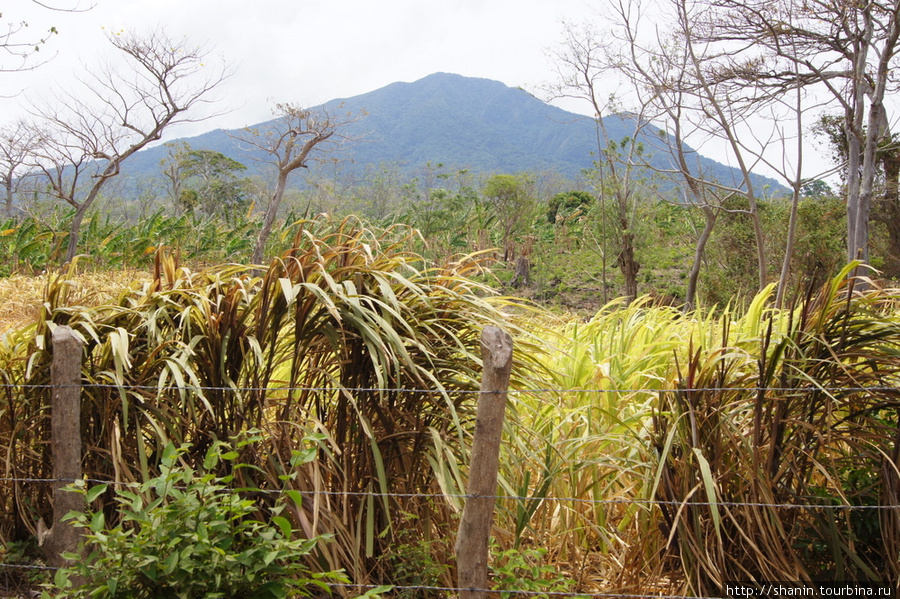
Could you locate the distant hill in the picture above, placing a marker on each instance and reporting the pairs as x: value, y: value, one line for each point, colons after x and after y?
x: 462, y: 122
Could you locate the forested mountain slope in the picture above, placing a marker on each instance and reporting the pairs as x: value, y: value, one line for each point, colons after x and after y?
x: 461, y: 122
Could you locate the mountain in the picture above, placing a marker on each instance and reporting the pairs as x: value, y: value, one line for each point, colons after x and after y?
x: 461, y: 122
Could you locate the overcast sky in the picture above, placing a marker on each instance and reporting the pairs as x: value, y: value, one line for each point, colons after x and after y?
x: 307, y: 52
x: 304, y: 51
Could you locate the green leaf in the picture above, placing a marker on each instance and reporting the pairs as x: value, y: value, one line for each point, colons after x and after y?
x: 304, y: 456
x: 376, y: 592
x: 284, y: 524
x: 95, y: 492
x: 98, y: 522
x: 170, y: 563
x: 709, y: 485
x: 169, y: 454
x: 295, y: 496
x: 61, y: 579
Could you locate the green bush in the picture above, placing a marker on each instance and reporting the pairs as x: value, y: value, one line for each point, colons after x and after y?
x: 526, y: 573
x: 186, y: 534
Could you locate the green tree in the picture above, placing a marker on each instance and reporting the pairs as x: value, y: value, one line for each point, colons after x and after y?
x: 513, y: 203
x: 204, y: 180
x: 565, y: 204
x: 440, y: 205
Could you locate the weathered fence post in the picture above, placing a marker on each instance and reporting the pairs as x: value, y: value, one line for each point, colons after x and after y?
x: 475, y: 526
x: 65, y: 438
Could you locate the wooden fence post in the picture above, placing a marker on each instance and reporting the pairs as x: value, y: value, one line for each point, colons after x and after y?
x: 475, y: 526
x: 65, y: 438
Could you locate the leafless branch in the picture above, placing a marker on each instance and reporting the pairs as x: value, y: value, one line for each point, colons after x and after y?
x: 87, y: 133
x: 288, y: 143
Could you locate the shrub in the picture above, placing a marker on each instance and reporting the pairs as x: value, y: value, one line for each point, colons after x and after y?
x: 186, y: 534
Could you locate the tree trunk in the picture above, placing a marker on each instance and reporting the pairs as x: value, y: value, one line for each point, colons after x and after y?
x: 269, y: 219
x: 74, y: 230
x: 10, y: 212
x: 690, y: 300
x: 853, y: 155
x: 523, y: 272
x: 857, y: 247
x: 629, y: 267
x: 789, y: 247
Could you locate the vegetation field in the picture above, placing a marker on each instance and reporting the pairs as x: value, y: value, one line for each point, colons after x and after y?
x: 308, y: 424
x: 279, y: 375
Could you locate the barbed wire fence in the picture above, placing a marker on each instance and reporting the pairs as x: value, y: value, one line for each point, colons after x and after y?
x: 492, y: 591
x: 67, y: 395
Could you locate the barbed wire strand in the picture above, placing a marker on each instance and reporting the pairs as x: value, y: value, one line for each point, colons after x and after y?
x: 536, y: 390
x: 527, y: 592
x: 523, y: 591
x: 633, y: 501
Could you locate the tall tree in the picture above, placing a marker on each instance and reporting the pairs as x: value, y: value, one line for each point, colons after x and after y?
x: 87, y: 134
x: 17, y: 142
x: 845, y: 50
x: 584, y: 67
x: 288, y: 143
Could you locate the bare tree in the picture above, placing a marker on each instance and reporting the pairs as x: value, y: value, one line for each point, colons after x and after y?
x: 843, y: 49
x: 723, y: 113
x: 86, y: 135
x: 288, y: 143
x: 17, y: 143
x: 172, y: 168
x: 19, y: 47
x: 686, y: 75
x: 584, y: 65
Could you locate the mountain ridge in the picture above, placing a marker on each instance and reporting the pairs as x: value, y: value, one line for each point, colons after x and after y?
x: 462, y: 122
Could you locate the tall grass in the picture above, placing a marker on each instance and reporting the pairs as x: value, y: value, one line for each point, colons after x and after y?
x: 813, y: 424
x: 644, y: 447
x: 586, y: 440
x: 347, y: 346
x: 693, y: 450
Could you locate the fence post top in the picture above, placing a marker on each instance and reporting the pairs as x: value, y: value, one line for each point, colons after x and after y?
x: 63, y: 332
x: 498, y: 342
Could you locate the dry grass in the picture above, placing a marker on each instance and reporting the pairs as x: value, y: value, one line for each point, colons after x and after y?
x: 20, y: 300
x: 21, y: 296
